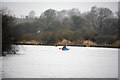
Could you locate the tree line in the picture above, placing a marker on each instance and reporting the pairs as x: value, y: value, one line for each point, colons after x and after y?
x: 99, y: 25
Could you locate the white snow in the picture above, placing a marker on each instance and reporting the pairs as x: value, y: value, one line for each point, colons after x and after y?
x: 0, y: 67
x: 51, y: 62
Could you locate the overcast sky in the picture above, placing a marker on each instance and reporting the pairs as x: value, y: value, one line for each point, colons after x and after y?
x: 60, y: 0
x: 23, y: 8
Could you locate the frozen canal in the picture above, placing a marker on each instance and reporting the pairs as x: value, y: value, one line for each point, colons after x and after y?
x: 50, y: 62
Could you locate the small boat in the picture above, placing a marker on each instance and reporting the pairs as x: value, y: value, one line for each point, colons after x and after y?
x: 65, y: 49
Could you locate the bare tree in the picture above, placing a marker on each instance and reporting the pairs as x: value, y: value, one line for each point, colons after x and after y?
x: 32, y: 14
x: 102, y: 14
x: 96, y: 16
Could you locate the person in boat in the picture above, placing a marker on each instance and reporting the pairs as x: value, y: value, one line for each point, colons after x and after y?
x: 64, y: 47
x: 56, y: 45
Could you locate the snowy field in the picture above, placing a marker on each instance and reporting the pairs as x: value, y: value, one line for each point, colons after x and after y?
x: 51, y: 62
x: 0, y: 68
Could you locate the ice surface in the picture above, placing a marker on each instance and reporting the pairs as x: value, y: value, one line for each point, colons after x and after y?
x: 0, y: 68
x: 51, y: 62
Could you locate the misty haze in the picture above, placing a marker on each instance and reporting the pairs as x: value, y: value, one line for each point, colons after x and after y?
x: 60, y: 40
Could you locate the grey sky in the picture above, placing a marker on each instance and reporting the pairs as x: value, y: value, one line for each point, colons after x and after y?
x: 23, y: 8
x: 60, y: 0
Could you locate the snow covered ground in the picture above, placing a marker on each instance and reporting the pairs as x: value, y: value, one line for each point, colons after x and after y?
x: 0, y: 67
x: 51, y: 62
